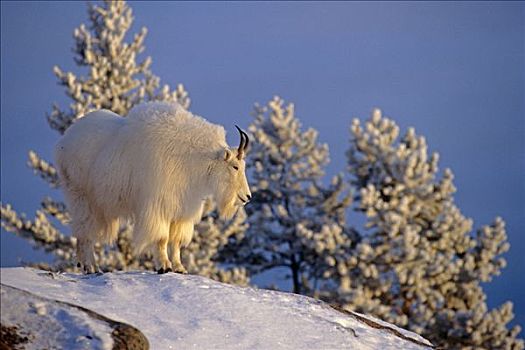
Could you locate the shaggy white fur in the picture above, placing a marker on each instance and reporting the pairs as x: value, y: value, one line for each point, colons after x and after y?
x: 154, y: 167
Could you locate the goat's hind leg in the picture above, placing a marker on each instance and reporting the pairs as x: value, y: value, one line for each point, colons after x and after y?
x: 85, y: 248
x: 85, y: 228
x: 88, y: 233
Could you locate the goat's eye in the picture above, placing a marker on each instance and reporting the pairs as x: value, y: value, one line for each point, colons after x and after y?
x: 235, y: 167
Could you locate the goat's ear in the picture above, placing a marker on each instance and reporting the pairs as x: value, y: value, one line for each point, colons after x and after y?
x: 227, y: 154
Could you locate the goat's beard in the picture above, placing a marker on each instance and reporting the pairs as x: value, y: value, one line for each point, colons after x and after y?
x: 227, y: 209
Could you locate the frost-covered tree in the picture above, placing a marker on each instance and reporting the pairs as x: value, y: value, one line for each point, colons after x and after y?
x: 292, y: 216
x: 116, y: 80
x: 419, y: 265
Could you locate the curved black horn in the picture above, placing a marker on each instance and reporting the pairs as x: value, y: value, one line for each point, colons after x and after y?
x: 243, y: 144
x: 241, y: 133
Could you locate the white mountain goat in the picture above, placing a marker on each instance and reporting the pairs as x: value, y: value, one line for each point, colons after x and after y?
x: 154, y: 167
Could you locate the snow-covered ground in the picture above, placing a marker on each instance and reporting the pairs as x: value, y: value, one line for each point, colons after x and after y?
x: 58, y: 326
x: 183, y: 311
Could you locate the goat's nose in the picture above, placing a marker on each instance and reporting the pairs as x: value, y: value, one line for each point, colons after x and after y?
x: 249, y: 196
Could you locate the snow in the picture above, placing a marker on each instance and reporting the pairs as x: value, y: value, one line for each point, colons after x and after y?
x: 50, y: 325
x: 187, y: 311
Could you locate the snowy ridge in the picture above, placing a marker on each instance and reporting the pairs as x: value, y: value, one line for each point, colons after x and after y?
x: 185, y: 311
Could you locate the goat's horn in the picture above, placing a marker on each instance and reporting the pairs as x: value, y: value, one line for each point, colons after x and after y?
x: 246, y: 141
x: 243, y: 143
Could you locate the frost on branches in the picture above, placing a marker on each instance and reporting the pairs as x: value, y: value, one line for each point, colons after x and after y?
x: 115, y: 81
x: 419, y: 265
x: 294, y: 220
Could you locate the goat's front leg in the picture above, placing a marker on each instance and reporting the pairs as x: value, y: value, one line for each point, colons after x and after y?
x: 175, y: 258
x: 175, y: 243
x: 161, y: 256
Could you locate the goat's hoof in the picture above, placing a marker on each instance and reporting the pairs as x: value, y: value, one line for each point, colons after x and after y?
x: 92, y: 269
x: 162, y: 270
x: 79, y: 265
x: 180, y: 270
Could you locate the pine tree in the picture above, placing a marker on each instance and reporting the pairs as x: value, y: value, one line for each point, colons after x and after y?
x: 292, y: 216
x: 115, y: 81
x: 419, y: 265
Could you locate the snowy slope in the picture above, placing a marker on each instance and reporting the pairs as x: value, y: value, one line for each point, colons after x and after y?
x: 32, y: 322
x: 184, y: 311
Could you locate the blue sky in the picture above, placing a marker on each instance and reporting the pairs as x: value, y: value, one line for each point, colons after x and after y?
x: 455, y: 71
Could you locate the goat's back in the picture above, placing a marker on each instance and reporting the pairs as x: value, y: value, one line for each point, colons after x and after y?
x: 82, y: 142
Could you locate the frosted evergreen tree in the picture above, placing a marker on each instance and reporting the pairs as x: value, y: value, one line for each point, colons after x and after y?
x: 419, y: 265
x: 116, y: 81
x: 292, y: 216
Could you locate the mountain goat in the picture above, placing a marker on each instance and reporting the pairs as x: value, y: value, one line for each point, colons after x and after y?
x: 154, y: 167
